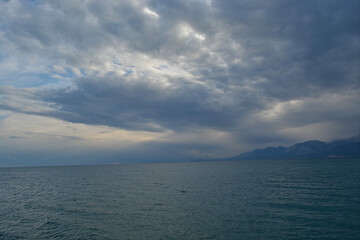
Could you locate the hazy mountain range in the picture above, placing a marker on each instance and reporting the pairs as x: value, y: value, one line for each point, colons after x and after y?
x: 308, y: 149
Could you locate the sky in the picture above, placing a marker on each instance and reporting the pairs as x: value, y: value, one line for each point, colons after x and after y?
x: 91, y: 82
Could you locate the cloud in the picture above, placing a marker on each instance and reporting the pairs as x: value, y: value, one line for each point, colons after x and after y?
x: 261, y: 72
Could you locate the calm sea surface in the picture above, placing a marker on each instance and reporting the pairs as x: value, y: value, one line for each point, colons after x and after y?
x: 272, y: 199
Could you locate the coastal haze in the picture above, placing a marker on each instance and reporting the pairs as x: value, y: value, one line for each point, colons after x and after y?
x: 95, y: 82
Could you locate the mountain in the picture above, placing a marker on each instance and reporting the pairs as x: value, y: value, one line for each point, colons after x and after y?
x: 308, y: 149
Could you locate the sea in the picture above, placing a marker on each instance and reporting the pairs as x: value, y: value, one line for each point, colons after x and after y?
x: 258, y: 199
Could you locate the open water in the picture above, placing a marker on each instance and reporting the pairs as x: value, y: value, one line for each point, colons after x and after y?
x: 272, y: 199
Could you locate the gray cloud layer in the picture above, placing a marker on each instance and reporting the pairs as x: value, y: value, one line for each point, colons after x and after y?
x: 224, y: 64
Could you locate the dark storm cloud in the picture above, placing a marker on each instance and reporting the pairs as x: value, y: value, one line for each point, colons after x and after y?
x: 306, y: 45
x: 141, y: 106
x: 241, y: 58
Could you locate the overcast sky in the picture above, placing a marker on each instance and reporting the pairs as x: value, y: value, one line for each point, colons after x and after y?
x: 92, y: 81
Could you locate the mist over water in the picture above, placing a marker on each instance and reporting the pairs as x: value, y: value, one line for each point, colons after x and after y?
x: 273, y: 199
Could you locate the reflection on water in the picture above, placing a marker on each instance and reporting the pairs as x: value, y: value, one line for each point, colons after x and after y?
x: 273, y: 199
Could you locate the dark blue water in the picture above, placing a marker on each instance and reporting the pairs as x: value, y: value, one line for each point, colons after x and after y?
x: 273, y: 199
